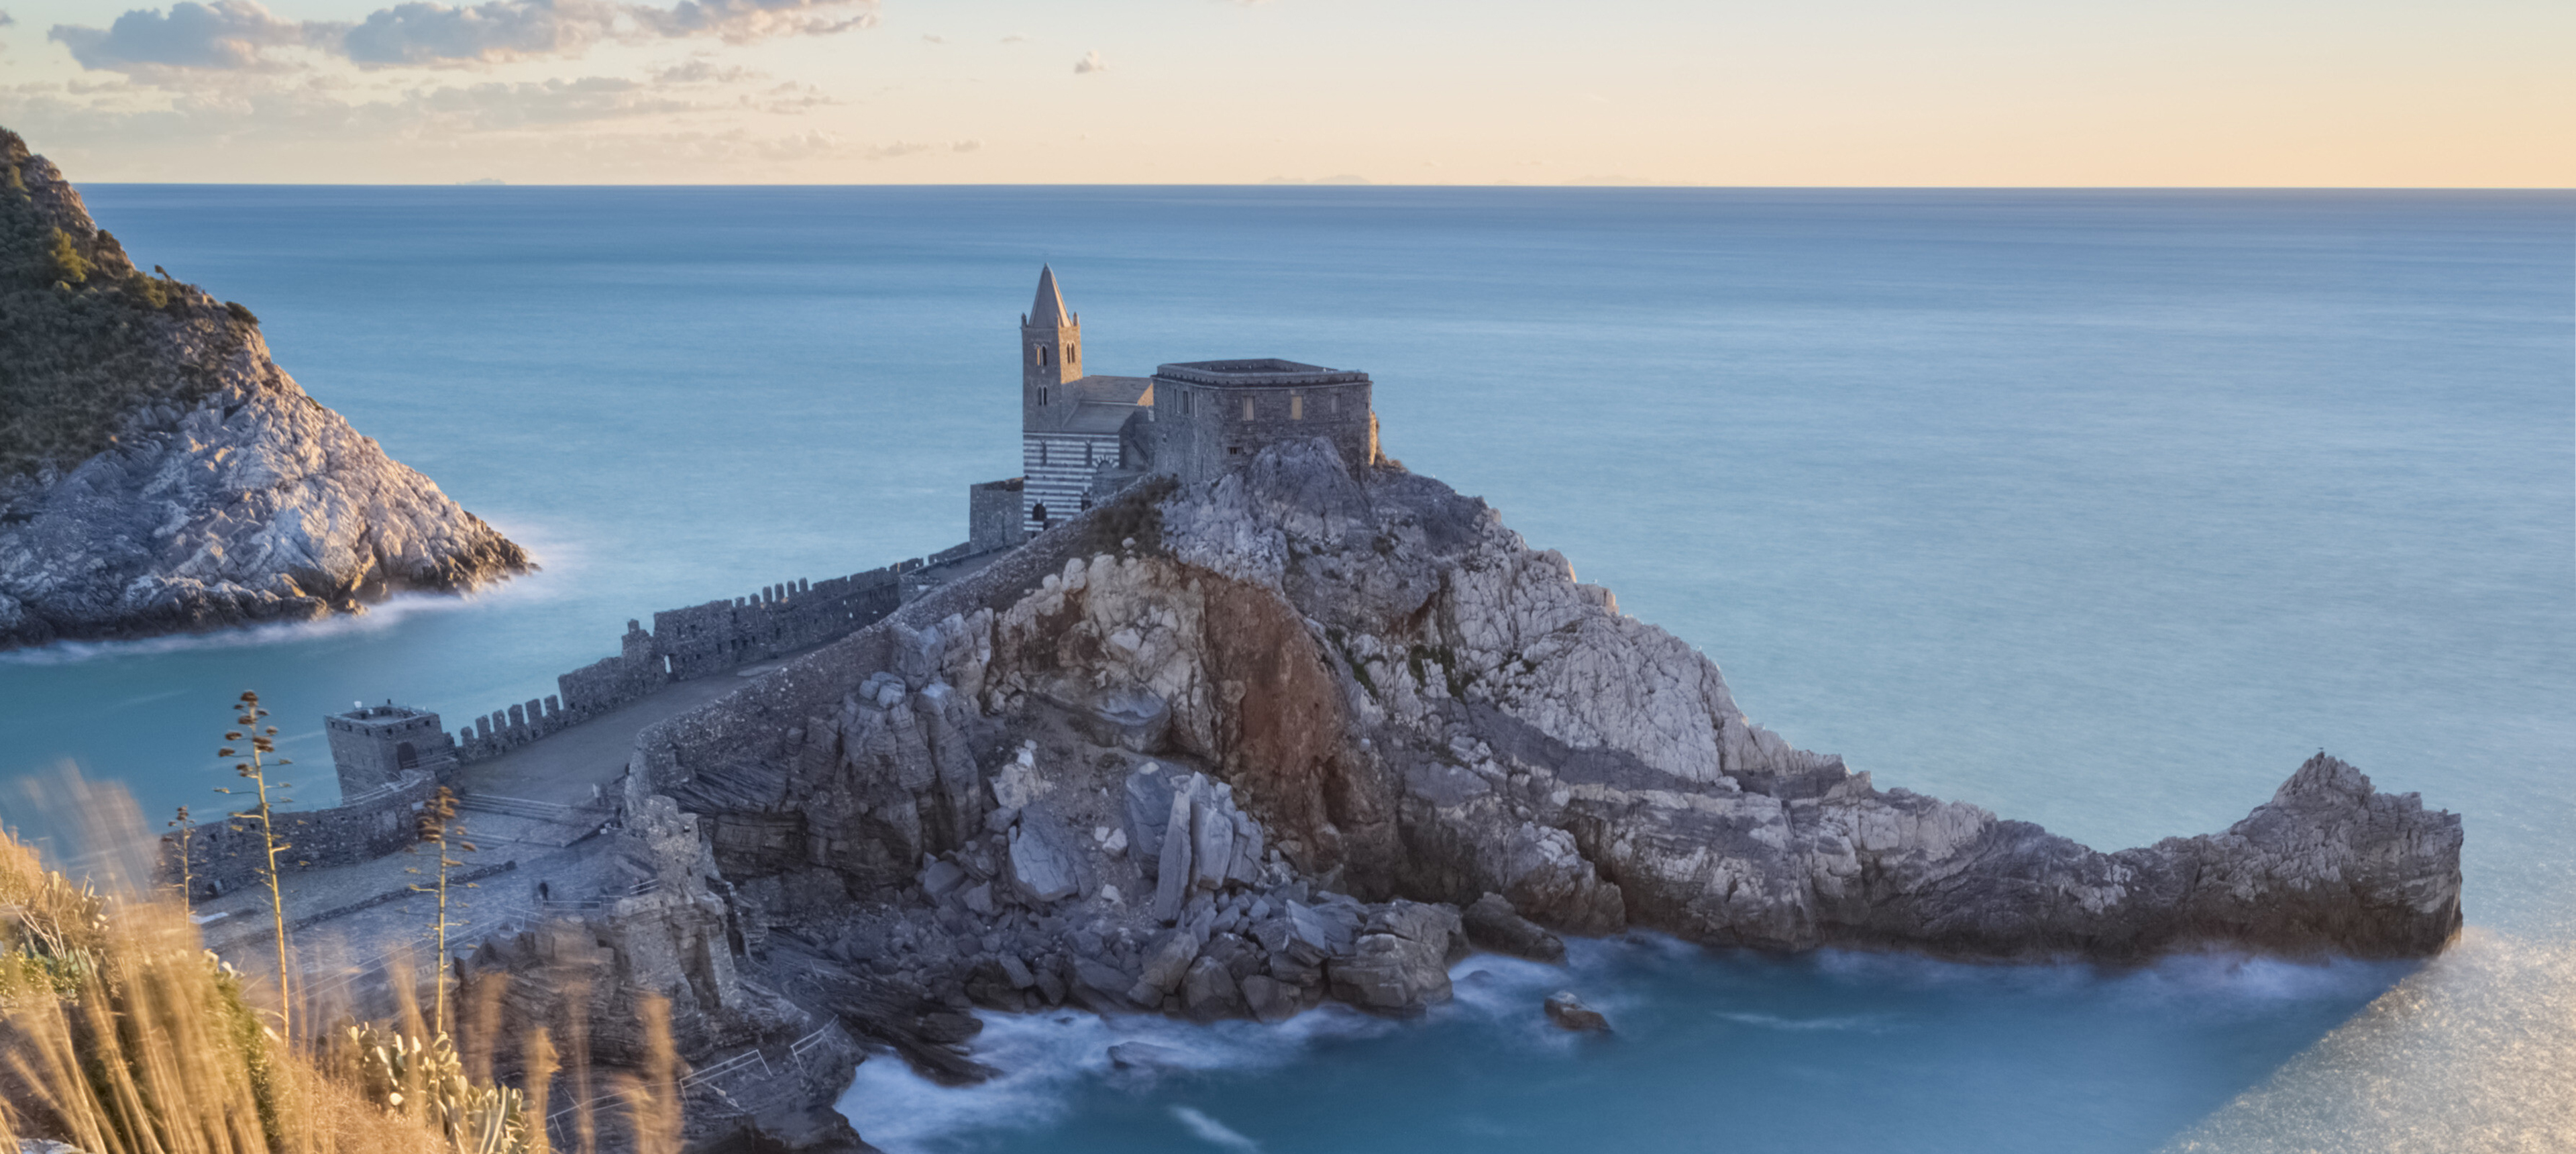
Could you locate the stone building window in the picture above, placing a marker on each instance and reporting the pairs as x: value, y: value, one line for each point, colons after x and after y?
x: 1086, y: 461
x: 1296, y: 406
x: 1333, y: 404
x: 1042, y: 396
x: 1185, y: 404
x: 1042, y: 457
x: 1039, y: 514
x: 1247, y: 408
x: 1042, y: 355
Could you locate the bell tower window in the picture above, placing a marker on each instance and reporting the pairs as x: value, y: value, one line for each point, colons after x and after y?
x: 1247, y: 408
x: 1042, y: 355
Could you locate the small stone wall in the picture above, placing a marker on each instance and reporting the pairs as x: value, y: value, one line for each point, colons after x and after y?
x: 230, y: 852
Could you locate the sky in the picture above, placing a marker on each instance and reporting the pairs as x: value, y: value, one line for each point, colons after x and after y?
x: 1991, y: 93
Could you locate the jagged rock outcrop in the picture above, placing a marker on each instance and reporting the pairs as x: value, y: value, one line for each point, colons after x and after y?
x: 1379, y: 681
x: 159, y: 473
x: 1236, y: 750
x: 1545, y: 747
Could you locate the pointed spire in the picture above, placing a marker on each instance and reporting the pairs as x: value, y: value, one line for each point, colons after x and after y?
x: 1049, y: 312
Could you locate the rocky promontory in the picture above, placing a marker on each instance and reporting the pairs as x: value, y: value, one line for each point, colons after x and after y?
x: 159, y: 473
x: 1308, y: 733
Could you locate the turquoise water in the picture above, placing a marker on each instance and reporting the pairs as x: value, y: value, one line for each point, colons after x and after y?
x: 2097, y: 509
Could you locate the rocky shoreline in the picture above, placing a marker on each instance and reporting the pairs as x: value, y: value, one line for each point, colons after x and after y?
x: 220, y: 494
x: 1305, y: 735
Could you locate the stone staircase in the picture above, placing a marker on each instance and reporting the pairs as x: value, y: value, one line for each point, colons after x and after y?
x: 538, y: 822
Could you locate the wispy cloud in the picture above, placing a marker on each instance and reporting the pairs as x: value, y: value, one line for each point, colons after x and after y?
x: 241, y: 35
x: 321, y: 108
x: 7, y: 19
x: 699, y: 70
x: 744, y: 21
x: 228, y: 35
x: 1090, y: 62
x: 437, y: 35
x: 534, y: 104
x: 916, y: 148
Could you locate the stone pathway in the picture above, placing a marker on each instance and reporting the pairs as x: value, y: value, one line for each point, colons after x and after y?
x: 530, y: 811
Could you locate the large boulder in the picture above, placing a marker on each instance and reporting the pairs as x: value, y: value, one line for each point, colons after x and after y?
x: 1208, y: 991
x: 1399, y: 964
x: 1044, y: 864
x: 1493, y: 924
x: 1166, y: 962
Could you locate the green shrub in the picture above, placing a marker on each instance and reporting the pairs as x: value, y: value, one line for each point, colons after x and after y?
x: 83, y: 342
x: 65, y: 259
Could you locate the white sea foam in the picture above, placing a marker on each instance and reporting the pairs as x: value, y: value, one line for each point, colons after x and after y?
x: 1863, y: 1023
x: 560, y: 560
x: 1217, y: 1133
x: 378, y: 617
x: 2201, y: 983
x: 1046, y: 1059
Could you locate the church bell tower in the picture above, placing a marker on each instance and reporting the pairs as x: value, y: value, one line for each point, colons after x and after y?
x: 1050, y: 356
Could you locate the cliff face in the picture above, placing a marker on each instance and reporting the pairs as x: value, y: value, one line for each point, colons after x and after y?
x: 159, y: 473
x: 1536, y: 743
x: 1240, y: 748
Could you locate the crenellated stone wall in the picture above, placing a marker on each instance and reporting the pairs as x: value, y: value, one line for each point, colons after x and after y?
x: 228, y: 853
x: 699, y: 641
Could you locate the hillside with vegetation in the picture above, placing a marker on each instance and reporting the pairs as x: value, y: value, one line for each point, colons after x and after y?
x: 159, y: 473
x: 87, y: 339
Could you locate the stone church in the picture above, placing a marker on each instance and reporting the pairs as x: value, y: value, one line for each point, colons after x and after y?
x: 1084, y: 436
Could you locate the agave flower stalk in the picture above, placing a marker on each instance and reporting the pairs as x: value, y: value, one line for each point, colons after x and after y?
x: 262, y: 742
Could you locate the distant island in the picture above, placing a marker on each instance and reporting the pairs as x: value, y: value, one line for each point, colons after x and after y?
x: 159, y: 473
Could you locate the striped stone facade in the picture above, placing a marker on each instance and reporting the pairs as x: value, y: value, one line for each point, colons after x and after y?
x: 1059, y: 467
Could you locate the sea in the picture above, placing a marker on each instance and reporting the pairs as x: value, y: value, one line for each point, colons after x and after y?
x: 2101, y: 509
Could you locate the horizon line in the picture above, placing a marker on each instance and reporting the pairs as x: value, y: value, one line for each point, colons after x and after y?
x: 1601, y: 186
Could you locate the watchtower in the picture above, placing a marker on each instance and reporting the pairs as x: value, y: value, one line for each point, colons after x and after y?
x: 374, y: 745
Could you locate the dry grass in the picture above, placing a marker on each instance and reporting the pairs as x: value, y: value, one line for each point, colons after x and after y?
x: 121, y: 1034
